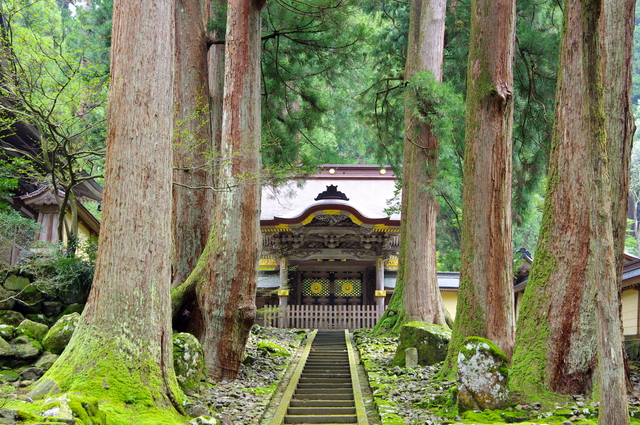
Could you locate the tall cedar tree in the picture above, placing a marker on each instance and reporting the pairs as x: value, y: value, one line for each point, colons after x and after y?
x: 485, y: 299
x: 226, y: 274
x: 569, y: 332
x: 197, y: 121
x: 616, y: 37
x: 122, y: 347
x: 193, y: 143
x: 418, y: 273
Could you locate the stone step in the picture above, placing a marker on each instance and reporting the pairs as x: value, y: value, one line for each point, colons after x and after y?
x: 321, y: 411
x: 321, y: 403
x: 321, y: 396
x: 332, y: 419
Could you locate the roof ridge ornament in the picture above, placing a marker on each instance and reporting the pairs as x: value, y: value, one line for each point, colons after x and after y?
x: 331, y: 193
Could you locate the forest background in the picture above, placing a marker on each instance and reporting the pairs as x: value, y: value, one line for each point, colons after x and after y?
x: 332, y: 93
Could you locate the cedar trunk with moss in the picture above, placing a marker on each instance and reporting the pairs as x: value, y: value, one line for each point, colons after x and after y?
x: 193, y: 144
x: 569, y: 337
x: 225, y: 277
x: 418, y: 275
x: 121, y: 351
x: 485, y: 299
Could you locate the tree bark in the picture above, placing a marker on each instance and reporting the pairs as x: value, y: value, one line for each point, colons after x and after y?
x: 226, y: 274
x: 485, y: 299
x: 193, y: 147
x: 425, y: 50
x: 122, y: 347
x: 573, y: 283
x: 616, y: 37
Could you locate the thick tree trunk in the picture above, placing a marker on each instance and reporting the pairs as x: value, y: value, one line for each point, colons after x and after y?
x: 193, y: 144
x: 616, y: 37
x: 616, y: 31
x: 573, y: 279
x: 485, y: 299
x: 421, y: 295
x: 199, y: 221
x: 226, y: 274
x: 122, y: 347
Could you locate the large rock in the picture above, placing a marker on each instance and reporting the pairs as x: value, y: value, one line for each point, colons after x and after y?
x: 74, y: 292
x: 16, y: 283
x: 482, y: 376
x: 11, y: 318
x: 60, y: 333
x: 57, y: 408
x: 6, y: 350
x: 32, y: 329
x: 52, y: 308
x: 26, y: 348
x: 29, y: 301
x: 46, y: 360
x: 431, y: 341
x: 6, y: 299
x: 188, y: 360
x: 7, y: 332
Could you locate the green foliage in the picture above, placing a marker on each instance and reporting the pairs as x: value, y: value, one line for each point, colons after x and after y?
x: 16, y: 229
x: 437, y: 104
x: 312, y: 64
x: 54, y: 271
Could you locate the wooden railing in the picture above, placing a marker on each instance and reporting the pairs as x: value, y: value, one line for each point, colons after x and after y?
x: 322, y: 316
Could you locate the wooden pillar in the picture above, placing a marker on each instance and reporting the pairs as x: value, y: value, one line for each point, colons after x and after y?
x: 380, y: 292
x: 283, y: 293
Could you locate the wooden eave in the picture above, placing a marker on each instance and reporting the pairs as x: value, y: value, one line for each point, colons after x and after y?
x: 88, y: 219
x: 350, y: 211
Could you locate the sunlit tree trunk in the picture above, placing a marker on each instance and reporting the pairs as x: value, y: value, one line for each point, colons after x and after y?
x: 123, y: 343
x: 485, y: 299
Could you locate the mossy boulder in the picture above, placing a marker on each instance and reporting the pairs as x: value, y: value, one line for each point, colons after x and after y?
x: 431, y: 341
x: 26, y: 348
x: 188, y: 360
x: 7, y: 332
x: 46, y: 360
x: 60, y: 333
x: 52, y: 308
x: 29, y: 300
x: 73, y: 308
x: 32, y: 329
x: 6, y: 350
x: 6, y: 300
x: 57, y: 408
x: 483, y: 376
x: 11, y: 318
x: 8, y: 375
x: 16, y: 283
x: 273, y: 349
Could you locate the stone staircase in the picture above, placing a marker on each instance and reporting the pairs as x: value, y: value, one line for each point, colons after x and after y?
x: 322, y: 390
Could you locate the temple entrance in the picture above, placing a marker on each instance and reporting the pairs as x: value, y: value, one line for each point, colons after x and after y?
x: 331, y: 287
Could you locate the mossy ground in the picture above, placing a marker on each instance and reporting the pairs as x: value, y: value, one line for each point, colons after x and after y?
x: 392, y: 392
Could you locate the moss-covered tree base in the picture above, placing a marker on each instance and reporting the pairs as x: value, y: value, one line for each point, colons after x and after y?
x: 127, y: 391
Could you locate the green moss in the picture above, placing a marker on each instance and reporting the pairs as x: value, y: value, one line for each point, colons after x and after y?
x: 493, y: 350
x: 128, y: 391
x: 273, y: 349
x: 430, y: 340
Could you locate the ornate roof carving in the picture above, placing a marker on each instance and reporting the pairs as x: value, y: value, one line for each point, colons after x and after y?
x: 331, y: 193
